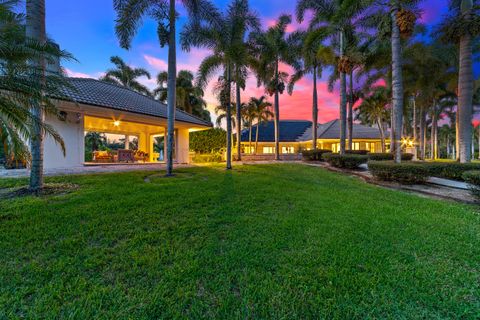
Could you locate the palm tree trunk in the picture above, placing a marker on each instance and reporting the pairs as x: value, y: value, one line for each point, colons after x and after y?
x: 382, y: 133
x: 314, y: 110
x: 478, y: 141
x: 250, y: 138
x: 229, y: 120
x: 239, y: 116
x: 433, y: 135
x: 422, y: 134
x: 415, y: 137
x: 35, y: 29
x: 171, y: 87
x: 397, y: 85
x: 350, y: 113
x: 256, y: 135
x: 465, y: 91
x: 343, y: 99
x: 277, y: 115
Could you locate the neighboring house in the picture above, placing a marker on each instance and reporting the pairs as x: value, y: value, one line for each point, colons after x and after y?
x: 296, y: 135
x: 93, y: 105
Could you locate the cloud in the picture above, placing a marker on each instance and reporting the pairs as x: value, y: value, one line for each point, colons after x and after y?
x: 75, y: 74
x: 156, y: 63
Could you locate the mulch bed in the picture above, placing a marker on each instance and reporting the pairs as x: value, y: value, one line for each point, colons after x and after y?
x: 50, y: 189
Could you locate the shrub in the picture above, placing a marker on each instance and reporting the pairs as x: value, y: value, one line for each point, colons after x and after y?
x: 346, y: 161
x: 208, y: 141
x: 450, y: 170
x: 388, y: 156
x: 209, y: 157
x: 473, y: 180
x: 314, y: 155
x: 361, y: 152
x: 405, y: 173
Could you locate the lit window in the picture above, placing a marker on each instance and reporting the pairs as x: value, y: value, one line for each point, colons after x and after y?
x: 268, y: 149
x: 248, y: 150
x: 288, y: 149
x: 356, y: 146
x: 335, y: 147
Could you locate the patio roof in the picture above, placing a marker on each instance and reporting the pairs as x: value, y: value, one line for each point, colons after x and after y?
x: 102, y: 94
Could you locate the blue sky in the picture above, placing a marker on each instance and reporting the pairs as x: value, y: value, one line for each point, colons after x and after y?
x: 86, y: 29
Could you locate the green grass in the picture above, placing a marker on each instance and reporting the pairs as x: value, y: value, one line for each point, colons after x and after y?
x: 261, y: 242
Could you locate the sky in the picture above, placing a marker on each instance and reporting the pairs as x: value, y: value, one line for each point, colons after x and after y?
x: 86, y: 29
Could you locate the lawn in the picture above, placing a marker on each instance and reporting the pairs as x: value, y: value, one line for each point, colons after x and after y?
x: 260, y: 242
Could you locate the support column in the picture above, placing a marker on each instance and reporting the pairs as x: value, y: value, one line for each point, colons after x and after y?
x: 183, y: 146
x: 127, y: 142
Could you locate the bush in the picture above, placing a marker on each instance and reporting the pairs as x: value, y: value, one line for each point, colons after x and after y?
x: 388, y: 156
x: 346, y: 161
x: 361, y: 152
x: 208, y: 141
x: 405, y: 173
x: 449, y: 170
x: 314, y: 155
x: 209, y: 157
x: 473, y: 180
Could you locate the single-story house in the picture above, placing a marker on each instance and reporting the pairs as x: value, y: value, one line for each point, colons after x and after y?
x: 93, y: 105
x: 296, y: 135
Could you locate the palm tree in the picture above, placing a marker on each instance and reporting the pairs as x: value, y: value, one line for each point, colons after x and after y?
x: 224, y: 36
x: 272, y: 48
x: 262, y: 111
x: 129, y: 15
x: 307, y: 47
x: 373, y: 110
x: 95, y: 139
x: 126, y: 76
x: 336, y: 19
x: 461, y: 27
x: 189, y: 97
x: 249, y: 115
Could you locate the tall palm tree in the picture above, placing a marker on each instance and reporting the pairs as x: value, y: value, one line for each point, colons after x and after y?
x: 129, y: 16
x: 95, y: 139
x: 224, y: 36
x: 272, y: 48
x: 262, y: 111
x: 249, y: 115
x: 461, y: 27
x: 306, y: 49
x: 24, y: 83
x: 373, y: 110
x: 337, y: 18
x: 126, y: 76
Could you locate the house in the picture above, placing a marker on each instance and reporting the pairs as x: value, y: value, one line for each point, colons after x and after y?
x: 93, y: 105
x: 296, y: 135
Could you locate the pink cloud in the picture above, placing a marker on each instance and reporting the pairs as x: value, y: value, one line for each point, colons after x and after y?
x: 156, y: 63
x: 75, y: 74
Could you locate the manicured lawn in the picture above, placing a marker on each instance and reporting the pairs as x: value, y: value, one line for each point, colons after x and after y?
x: 266, y: 241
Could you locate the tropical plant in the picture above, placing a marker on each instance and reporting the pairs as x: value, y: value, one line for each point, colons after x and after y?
x: 95, y: 140
x: 27, y: 86
x: 224, y: 35
x: 336, y: 20
x: 129, y: 16
x: 270, y: 49
x: 189, y: 97
x: 461, y: 27
x: 126, y: 76
x: 373, y: 110
x: 262, y: 111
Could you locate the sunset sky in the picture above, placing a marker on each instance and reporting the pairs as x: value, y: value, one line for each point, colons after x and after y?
x: 86, y: 29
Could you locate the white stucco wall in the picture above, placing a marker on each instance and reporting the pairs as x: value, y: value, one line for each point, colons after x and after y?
x: 72, y: 132
x: 183, y: 147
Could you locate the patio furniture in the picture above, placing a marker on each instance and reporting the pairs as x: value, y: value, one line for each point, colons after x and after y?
x: 103, y: 156
x: 141, y: 156
x: 125, y: 155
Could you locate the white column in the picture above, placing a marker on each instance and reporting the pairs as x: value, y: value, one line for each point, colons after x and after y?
x: 183, y: 145
x: 127, y: 142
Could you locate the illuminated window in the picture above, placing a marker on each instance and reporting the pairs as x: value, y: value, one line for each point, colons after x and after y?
x: 356, y: 146
x: 335, y: 147
x: 249, y: 150
x: 371, y: 147
x: 288, y: 149
x: 268, y: 150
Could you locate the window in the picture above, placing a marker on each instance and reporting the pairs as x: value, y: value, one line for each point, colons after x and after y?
x: 335, y: 147
x: 356, y: 146
x: 268, y: 150
x: 371, y: 147
x: 249, y: 150
x: 288, y: 149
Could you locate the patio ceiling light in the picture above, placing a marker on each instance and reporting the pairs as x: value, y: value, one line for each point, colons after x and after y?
x: 116, y: 123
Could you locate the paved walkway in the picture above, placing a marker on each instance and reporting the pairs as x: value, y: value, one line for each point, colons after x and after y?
x: 20, y: 173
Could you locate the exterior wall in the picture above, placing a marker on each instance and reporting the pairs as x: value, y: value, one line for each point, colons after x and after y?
x: 183, y: 146
x: 71, y: 130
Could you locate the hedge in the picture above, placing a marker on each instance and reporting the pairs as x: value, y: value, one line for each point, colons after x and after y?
x: 388, y: 156
x: 314, y: 155
x: 405, y: 173
x: 361, y: 152
x: 208, y: 141
x: 346, y: 161
x: 210, y: 157
x: 449, y: 170
x: 473, y: 180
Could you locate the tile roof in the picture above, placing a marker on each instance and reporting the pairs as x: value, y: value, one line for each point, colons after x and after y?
x: 290, y: 130
x: 299, y: 130
x: 103, y: 94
